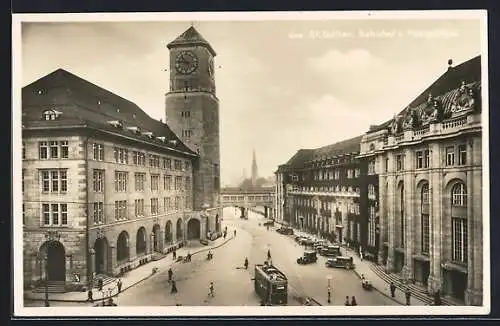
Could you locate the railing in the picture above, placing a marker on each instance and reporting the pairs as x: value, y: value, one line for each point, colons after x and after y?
x: 454, y: 123
x: 421, y: 132
x: 325, y: 193
x: 399, y: 137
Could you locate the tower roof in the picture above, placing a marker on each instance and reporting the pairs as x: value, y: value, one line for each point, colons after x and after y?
x: 191, y: 37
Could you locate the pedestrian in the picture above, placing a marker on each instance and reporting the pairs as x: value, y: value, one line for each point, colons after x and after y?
x: 347, y: 302
x: 119, y: 284
x: 361, y: 253
x: 407, y: 295
x: 393, y: 289
x: 437, y: 298
x: 246, y: 263
x: 100, y: 284
x: 234, y: 232
x: 224, y: 235
x: 268, y: 253
x: 170, y: 274
x: 174, y: 288
x: 174, y: 254
x: 353, y: 301
x: 211, y: 289
x: 90, y: 296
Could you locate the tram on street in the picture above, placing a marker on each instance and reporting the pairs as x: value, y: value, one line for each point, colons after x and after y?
x: 271, y: 284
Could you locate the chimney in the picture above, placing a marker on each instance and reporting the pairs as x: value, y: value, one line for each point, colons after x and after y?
x: 450, y: 63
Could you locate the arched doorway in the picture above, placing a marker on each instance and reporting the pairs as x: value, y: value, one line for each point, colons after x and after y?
x: 140, y: 242
x: 178, y: 230
x: 193, y: 229
x: 55, y: 260
x: 168, y: 232
x: 122, y: 247
x: 156, y: 238
x: 101, y: 255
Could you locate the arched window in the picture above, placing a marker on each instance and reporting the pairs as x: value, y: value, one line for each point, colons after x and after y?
x: 50, y: 115
x: 459, y: 228
x: 458, y: 195
x: 424, y: 220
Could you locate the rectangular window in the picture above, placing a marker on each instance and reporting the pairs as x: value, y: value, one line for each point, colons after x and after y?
x: 167, y: 182
x: 140, y: 179
x: 177, y: 204
x: 185, y: 114
x: 371, y: 166
x: 450, y: 155
x: 53, y: 149
x: 357, y: 172
x: 167, y: 203
x: 186, y: 165
x: 154, y: 206
x: 337, y: 174
x: 154, y: 161
x: 386, y: 164
x: 177, y: 165
x: 167, y: 163
x: 99, y: 213
x: 427, y: 161
x: 459, y: 239
x: 121, y: 181
x: 98, y: 180
x: 139, y: 158
x: 188, y: 183
x: 55, y: 181
x: 186, y: 202
x: 425, y: 234
x: 462, y: 155
x: 55, y: 214
x: 178, y: 183
x: 121, y: 155
x: 420, y: 160
x: 98, y: 152
x: 155, y: 182
x: 350, y: 174
x: 139, y: 207
x: 400, y: 164
x: 371, y: 227
x: 120, y: 210
x: 187, y: 133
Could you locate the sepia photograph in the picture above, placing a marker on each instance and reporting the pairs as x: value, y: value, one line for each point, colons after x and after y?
x: 218, y: 164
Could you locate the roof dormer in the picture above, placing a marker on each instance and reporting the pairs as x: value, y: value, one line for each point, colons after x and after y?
x: 134, y: 129
x: 148, y: 134
x: 116, y: 123
x: 50, y: 115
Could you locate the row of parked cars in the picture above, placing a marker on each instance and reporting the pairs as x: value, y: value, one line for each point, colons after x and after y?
x: 323, y: 248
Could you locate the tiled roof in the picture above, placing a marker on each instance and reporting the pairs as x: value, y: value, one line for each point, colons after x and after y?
x: 445, y: 88
x: 351, y: 145
x: 300, y: 158
x: 191, y: 37
x: 112, y: 107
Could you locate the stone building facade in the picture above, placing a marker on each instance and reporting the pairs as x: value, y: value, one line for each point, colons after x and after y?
x: 429, y: 162
x: 106, y: 188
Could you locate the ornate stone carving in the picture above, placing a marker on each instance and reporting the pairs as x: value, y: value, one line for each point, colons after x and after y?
x: 465, y: 100
x: 100, y: 233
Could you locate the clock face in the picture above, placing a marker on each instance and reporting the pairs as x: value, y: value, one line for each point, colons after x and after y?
x: 186, y: 62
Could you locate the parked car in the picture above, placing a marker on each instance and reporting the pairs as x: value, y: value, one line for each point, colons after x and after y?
x: 299, y: 237
x: 285, y: 230
x: 340, y: 262
x: 306, y: 242
x: 309, y: 257
x: 268, y: 223
x: 331, y: 251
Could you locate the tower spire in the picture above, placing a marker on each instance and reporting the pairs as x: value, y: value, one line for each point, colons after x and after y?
x: 254, y: 169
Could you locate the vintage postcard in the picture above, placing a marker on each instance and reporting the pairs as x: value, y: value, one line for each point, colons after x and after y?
x: 222, y: 164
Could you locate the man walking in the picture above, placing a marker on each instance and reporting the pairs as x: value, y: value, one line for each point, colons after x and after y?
x: 170, y: 274
x: 90, y: 296
x: 393, y: 289
x: 119, y: 284
x: 174, y: 254
x: 174, y: 288
x: 407, y: 295
x: 211, y: 290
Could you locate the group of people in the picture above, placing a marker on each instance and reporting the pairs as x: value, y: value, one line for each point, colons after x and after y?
x: 352, y: 302
x: 100, y: 286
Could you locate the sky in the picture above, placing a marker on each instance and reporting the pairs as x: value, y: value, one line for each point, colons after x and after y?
x: 282, y: 85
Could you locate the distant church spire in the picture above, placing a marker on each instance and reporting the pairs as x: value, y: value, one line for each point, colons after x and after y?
x: 254, y: 170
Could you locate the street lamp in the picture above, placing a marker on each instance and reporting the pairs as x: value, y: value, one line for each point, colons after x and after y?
x: 330, y: 281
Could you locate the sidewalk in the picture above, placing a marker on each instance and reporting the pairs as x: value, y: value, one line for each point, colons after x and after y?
x: 364, y: 268
x: 130, y: 279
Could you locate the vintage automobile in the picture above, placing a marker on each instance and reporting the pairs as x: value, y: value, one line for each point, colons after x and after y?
x: 340, y: 262
x: 309, y: 257
x: 319, y: 245
x: 268, y: 223
x: 366, y: 284
x: 299, y: 237
x: 285, y: 230
x: 331, y: 251
x: 306, y: 242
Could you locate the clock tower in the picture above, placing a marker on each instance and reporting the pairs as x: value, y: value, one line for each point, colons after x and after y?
x: 192, y: 112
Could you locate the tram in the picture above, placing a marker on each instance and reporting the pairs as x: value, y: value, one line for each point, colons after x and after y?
x: 271, y: 284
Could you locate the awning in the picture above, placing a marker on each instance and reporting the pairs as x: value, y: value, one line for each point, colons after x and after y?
x: 449, y: 266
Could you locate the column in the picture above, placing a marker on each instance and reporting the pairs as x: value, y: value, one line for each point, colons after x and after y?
x: 382, y: 217
x: 151, y: 243
x: 265, y: 211
x: 409, y: 202
x: 91, y: 268
x: 390, y: 204
x: 69, y: 274
x: 435, y: 209
x: 34, y: 270
x: 161, y: 240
